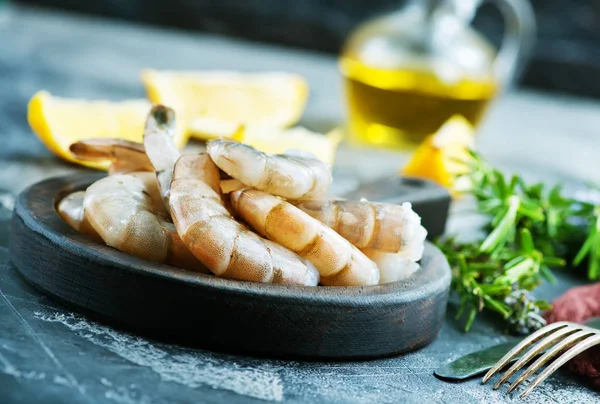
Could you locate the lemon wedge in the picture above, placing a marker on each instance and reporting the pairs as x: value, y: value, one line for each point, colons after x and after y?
x: 278, y: 141
x: 216, y: 103
x: 443, y: 157
x: 60, y: 122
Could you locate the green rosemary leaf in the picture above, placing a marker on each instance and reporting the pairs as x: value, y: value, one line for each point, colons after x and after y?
x: 532, y: 210
x: 490, y: 289
x: 594, y: 265
x: 526, y: 241
x: 553, y: 222
x: 499, y: 236
x: 555, y: 262
x: 585, y: 248
x: 470, y: 319
x: 514, y: 261
x: 547, y: 273
x: 490, y: 206
x: 513, y: 274
x: 497, y: 306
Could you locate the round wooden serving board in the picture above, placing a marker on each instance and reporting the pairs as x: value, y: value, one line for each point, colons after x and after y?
x: 203, y: 310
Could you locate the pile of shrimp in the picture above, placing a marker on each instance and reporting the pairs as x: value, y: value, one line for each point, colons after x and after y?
x: 238, y: 213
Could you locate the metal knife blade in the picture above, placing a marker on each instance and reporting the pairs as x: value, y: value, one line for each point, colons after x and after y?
x: 477, y: 363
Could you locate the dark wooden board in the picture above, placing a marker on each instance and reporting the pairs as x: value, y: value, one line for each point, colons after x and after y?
x: 202, y: 310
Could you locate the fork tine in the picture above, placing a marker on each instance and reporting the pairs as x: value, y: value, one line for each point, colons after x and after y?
x: 576, y: 350
x: 535, y: 350
x: 557, y: 349
x: 521, y: 346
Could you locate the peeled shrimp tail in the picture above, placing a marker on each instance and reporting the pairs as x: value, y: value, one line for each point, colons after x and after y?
x: 378, y: 226
x: 160, y: 149
x: 225, y: 246
x: 125, y: 156
x: 393, y: 267
x: 294, y: 175
x: 338, y: 261
x: 70, y: 208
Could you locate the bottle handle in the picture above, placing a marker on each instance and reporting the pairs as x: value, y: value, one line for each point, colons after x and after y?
x: 518, y: 42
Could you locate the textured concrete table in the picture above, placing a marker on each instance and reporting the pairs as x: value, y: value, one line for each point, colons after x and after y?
x: 48, y: 354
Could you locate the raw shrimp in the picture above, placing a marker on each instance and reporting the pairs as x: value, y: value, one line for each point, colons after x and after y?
x: 380, y: 226
x: 225, y: 246
x: 294, y: 175
x: 338, y: 261
x: 390, y: 235
x: 128, y: 214
x: 70, y: 208
x: 396, y: 266
x: 125, y: 156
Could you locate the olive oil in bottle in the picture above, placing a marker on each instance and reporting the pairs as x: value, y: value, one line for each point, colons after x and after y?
x: 407, y: 72
x: 398, y: 108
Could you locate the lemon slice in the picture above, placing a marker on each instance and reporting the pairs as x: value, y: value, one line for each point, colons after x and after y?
x: 444, y: 156
x: 216, y: 103
x: 278, y: 141
x: 60, y: 122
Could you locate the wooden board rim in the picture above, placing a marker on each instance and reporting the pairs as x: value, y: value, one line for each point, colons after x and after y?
x: 35, y: 214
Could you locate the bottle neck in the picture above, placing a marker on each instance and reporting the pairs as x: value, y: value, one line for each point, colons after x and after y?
x: 464, y: 10
x: 440, y: 19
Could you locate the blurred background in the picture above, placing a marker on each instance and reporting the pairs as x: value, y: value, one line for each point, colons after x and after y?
x: 391, y: 72
x: 566, y: 57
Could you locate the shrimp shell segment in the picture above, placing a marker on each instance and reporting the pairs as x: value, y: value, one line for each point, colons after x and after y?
x: 338, y: 261
x: 379, y: 226
x: 291, y: 176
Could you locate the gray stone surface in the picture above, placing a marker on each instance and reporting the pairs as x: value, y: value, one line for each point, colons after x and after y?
x: 48, y: 354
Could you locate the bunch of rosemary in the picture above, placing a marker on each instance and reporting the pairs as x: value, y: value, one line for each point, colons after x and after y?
x: 532, y: 229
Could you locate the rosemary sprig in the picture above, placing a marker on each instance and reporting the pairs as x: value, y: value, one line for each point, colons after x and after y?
x: 531, y: 229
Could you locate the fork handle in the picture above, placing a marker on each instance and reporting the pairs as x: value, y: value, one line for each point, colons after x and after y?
x: 476, y: 363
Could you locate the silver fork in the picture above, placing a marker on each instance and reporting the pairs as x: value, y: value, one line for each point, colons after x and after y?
x: 565, y: 338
